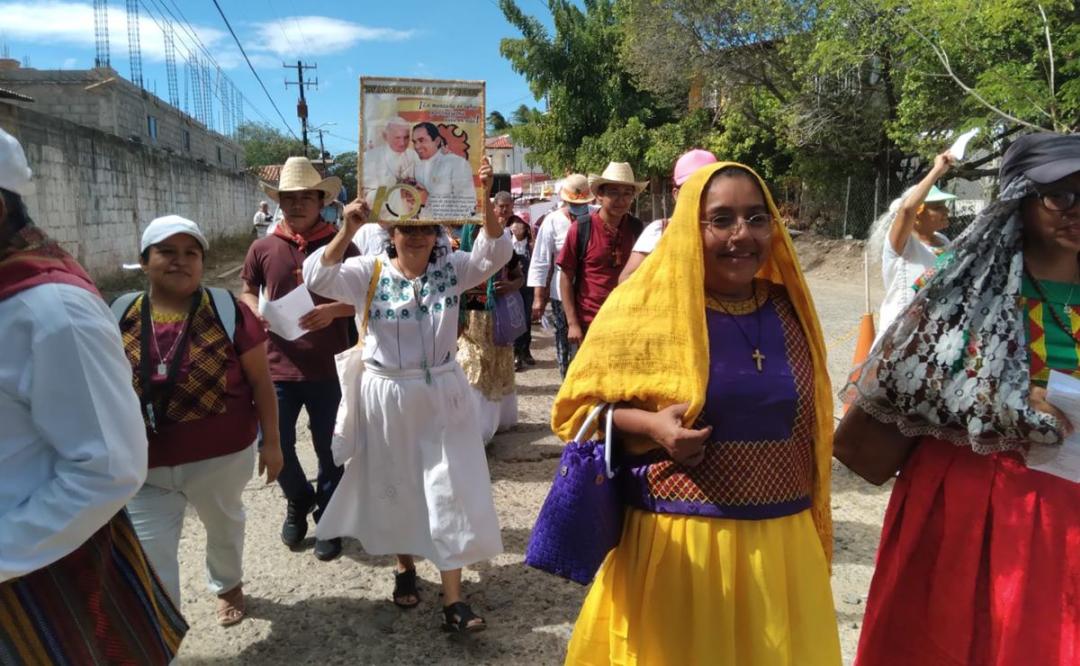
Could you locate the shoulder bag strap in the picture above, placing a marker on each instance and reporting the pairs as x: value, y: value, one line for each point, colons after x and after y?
x: 370, y: 296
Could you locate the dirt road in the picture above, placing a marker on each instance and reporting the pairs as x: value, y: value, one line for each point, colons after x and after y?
x: 308, y: 612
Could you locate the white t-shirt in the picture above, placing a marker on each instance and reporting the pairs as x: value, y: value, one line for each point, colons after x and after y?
x: 650, y: 236
x: 899, y: 272
x: 543, y: 271
x: 371, y: 239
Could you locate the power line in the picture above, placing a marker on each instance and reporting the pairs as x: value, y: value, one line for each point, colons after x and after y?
x: 252, y: 67
x: 198, y: 45
x: 199, y: 113
x: 281, y: 27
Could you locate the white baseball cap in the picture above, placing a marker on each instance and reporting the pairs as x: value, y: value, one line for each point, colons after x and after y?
x: 14, y: 172
x: 170, y: 225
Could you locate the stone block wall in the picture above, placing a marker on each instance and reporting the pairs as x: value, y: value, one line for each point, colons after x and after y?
x: 95, y: 192
x: 102, y: 99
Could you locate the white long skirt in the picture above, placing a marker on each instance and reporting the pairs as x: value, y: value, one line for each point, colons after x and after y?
x: 494, y: 415
x: 419, y: 482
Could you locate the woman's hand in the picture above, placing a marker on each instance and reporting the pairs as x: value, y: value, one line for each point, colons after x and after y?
x: 685, y: 446
x: 1038, y: 402
x: 270, y: 460
x: 487, y: 176
x: 356, y: 214
x: 942, y: 163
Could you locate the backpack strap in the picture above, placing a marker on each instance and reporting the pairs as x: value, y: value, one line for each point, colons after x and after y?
x: 225, y: 307
x: 584, y: 231
x: 122, y: 303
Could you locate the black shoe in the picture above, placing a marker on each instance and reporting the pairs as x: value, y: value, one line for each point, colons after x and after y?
x: 294, y: 529
x: 519, y: 364
x: 328, y: 549
x: 529, y: 360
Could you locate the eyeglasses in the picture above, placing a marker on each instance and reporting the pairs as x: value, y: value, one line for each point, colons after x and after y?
x: 1058, y: 201
x: 756, y: 225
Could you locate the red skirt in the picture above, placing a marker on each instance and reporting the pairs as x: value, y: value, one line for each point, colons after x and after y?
x: 979, y: 564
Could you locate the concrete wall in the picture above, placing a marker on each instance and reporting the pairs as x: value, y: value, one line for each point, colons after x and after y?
x: 95, y: 192
x: 102, y: 99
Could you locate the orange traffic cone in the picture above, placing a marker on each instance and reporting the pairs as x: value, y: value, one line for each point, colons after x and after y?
x: 866, y: 333
x: 862, y: 349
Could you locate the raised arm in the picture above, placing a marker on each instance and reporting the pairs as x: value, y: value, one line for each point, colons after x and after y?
x: 902, y: 226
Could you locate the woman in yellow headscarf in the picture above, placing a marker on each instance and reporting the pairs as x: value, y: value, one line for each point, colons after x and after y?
x: 713, y: 356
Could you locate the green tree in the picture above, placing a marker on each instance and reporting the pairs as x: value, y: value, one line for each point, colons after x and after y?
x: 497, y: 123
x: 264, y: 145
x: 344, y: 167
x: 577, y: 69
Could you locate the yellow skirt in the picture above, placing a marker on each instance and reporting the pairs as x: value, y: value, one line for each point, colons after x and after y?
x: 687, y: 590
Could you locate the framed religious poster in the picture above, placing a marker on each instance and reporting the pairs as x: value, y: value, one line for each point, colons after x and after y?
x: 421, y: 145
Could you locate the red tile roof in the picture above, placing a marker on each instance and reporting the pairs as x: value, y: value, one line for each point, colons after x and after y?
x: 499, y: 142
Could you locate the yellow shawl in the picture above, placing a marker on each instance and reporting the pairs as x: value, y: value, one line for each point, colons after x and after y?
x: 648, y: 345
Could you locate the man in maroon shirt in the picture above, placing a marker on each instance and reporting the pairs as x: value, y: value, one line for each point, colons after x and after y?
x: 608, y: 237
x: 303, y: 370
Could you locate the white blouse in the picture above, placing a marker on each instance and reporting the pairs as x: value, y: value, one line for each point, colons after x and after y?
x: 412, y: 324
x: 72, y: 439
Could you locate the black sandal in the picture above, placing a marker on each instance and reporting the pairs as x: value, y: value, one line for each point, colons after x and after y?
x: 405, y: 586
x: 459, y: 618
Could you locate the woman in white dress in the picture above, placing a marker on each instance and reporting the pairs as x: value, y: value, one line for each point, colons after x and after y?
x: 909, y: 239
x: 419, y: 484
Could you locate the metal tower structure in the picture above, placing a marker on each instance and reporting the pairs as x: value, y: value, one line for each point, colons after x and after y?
x: 239, y: 108
x: 101, y: 33
x: 197, y: 90
x: 208, y: 94
x: 223, y: 95
x: 170, y: 64
x: 134, y: 49
x: 187, y: 88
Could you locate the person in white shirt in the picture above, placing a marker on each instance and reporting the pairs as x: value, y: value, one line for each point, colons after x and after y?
x: 543, y: 273
x: 685, y: 167
x: 73, y: 451
x: 392, y: 162
x: 418, y: 483
x: 262, y: 219
x: 445, y: 179
x: 910, y: 239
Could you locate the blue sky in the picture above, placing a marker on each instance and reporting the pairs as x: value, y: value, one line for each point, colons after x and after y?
x: 456, y: 39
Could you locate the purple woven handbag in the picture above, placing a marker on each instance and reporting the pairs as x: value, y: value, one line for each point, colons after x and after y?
x: 582, y: 517
x: 510, y: 320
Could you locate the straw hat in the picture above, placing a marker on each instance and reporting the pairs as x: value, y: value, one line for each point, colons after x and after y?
x: 298, y: 175
x: 616, y: 173
x: 575, y: 189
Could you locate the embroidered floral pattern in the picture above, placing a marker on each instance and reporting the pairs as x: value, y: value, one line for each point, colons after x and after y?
x: 950, y: 365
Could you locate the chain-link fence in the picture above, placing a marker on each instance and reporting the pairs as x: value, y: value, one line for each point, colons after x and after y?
x: 846, y: 207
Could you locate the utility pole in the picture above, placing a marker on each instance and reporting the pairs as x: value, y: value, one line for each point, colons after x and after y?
x: 322, y: 150
x: 301, y: 105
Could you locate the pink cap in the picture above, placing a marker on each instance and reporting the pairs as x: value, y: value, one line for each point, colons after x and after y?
x: 690, y: 162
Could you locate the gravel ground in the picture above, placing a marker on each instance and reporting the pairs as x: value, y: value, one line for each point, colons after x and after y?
x: 304, y: 611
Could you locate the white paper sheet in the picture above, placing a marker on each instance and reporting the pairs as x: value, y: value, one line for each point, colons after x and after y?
x: 284, y: 314
x: 1063, y: 392
x: 960, y: 145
